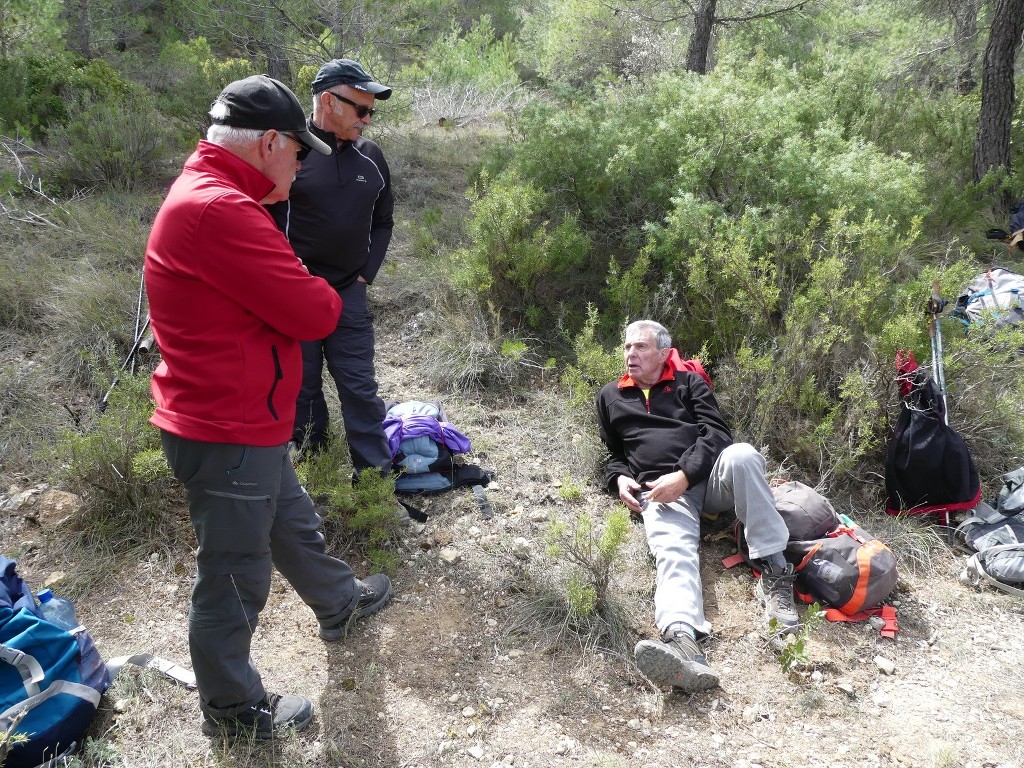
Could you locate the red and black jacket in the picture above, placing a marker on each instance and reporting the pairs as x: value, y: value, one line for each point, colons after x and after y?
x: 678, y: 427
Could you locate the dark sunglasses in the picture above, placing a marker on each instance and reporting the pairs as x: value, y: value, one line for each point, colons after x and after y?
x: 361, y: 109
x: 303, y: 152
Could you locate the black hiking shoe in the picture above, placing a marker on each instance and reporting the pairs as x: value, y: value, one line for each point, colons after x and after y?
x: 676, y: 661
x: 271, y: 718
x: 374, y: 594
x: 775, y: 591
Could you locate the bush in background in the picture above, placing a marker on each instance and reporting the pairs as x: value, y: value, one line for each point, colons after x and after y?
x: 114, y: 462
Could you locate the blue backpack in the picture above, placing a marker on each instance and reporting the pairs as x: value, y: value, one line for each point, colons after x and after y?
x: 50, y: 679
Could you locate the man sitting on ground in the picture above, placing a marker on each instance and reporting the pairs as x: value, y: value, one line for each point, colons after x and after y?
x: 672, y: 459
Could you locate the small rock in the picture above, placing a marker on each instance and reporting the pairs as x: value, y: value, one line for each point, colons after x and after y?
x: 471, y: 731
x: 55, y: 579
x: 521, y: 548
x: 121, y: 706
x: 633, y: 725
x: 847, y: 688
x: 476, y: 751
x: 474, y: 532
x: 538, y: 516
x: 454, y: 698
x: 445, y: 747
x: 881, y: 699
x: 450, y: 556
x: 816, y: 676
x: 886, y: 666
x: 469, y: 712
x: 516, y: 653
x: 877, y: 622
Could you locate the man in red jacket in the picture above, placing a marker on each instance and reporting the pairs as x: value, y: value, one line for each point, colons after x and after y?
x: 672, y: 460
x: 229, y: 303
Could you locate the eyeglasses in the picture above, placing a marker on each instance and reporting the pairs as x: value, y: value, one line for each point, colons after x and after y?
x: 361, y: 109
x: 303, y: 152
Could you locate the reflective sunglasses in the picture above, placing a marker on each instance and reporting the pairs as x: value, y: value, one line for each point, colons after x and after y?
x: 361, y: 109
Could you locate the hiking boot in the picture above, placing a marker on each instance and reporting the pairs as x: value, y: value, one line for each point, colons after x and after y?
x: 676, y: 661
x: 374, y: 594
x: 268, y: 719
x: 775, y: 591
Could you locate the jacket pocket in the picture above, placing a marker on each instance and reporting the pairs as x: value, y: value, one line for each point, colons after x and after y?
x: 278, y: 375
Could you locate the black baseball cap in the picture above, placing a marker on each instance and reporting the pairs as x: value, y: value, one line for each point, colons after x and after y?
x: 348, y: 72
x: 263, y: 103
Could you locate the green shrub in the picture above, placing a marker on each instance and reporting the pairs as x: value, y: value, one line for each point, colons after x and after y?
x: 365, y: 512
x: 594, y: 367
x: 44, y: 90
x: 111, y: 462
x: 186, y: 78
x: 120, y: 144
x: 592, y: 556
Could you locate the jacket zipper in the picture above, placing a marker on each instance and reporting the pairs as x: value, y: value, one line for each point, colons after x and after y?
x: 278, y: 375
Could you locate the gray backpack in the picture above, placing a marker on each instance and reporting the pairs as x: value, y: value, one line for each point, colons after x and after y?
x: 996, y: 539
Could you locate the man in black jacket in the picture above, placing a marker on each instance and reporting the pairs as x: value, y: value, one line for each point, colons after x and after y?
x: 339, y: 220
x: 672, y: 459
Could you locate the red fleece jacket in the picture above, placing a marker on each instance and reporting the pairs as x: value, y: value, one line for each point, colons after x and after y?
x: 229, y: 302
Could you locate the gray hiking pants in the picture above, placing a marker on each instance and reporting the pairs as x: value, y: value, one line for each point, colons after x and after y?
x: 250, y: 514
x: 673, y: 532
x: 349, y: 354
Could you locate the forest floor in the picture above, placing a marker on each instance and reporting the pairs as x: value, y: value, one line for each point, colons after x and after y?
x: 473, y: 664
x: 469, y: 666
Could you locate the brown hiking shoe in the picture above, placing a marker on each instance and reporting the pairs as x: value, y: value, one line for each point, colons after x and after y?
x: 675, y: 661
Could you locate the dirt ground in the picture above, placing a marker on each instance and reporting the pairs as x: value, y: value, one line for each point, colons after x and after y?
x: 463, y: 668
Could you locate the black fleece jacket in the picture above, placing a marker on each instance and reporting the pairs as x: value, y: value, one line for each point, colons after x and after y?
x: 680, y: 427
x: 340, y: 213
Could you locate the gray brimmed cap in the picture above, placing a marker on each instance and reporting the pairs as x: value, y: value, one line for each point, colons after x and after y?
x: 348, y: 72
x: 263, y: 103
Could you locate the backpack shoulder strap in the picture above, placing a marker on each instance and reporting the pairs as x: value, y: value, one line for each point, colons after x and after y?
x: 974, y: 573
x: 149, y: 661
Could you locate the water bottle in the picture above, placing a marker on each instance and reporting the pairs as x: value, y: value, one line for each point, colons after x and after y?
x: 57, y: 610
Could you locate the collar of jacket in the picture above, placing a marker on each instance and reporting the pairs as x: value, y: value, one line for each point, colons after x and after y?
x: 218, y: 161
x: 326, y: 136
x: 672, y: 364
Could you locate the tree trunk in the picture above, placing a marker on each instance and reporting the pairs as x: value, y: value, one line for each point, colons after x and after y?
x: 965, y: 20
x: 700, y: 40
x: 992, y: 145
x: 79, y: 39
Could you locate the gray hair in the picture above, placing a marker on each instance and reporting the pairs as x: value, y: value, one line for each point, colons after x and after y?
x: 229, y: 135
x: 662, y: 338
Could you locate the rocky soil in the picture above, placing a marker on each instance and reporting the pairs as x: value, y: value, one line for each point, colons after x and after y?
x: 471, y: 666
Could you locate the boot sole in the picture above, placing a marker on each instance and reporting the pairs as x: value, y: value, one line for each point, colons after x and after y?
x: 661, y: 665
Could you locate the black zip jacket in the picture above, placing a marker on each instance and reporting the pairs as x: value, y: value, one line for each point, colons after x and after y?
x: 680, y: 427
x: 340, y: 213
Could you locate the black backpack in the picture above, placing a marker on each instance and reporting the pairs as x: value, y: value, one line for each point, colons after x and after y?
x: 928, y: 468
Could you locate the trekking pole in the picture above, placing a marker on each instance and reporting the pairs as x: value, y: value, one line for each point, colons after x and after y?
x: 138, y: 312
x: 129, y: 360
x: 935, y: 306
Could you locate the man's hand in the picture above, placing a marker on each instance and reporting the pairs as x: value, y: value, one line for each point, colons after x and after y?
x: 667, y: 487
x: 628, y: 488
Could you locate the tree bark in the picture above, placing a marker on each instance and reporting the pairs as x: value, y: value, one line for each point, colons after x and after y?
x: 77, y: 13
x: 700, y: 40
x: 965, y: 30
x: 992, y: 145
